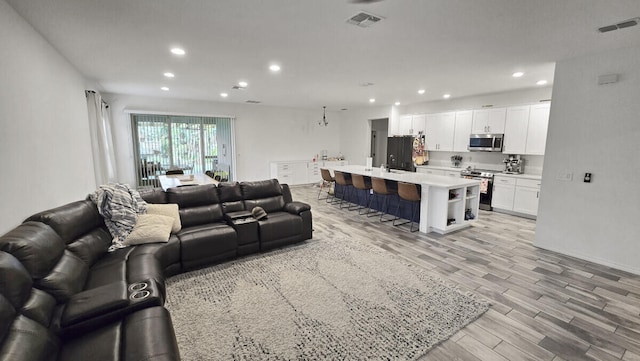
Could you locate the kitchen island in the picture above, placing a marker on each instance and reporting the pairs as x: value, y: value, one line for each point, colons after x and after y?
x: 444, y: 200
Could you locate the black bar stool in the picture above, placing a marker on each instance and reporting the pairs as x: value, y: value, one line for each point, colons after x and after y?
x: 360, y: 183
x: 380, y: 189
x: 408, y: 192
x: 327, y: 180
x: 343, y: 179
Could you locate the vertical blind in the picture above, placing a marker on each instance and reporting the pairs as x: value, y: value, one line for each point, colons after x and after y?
x: 186, y: 143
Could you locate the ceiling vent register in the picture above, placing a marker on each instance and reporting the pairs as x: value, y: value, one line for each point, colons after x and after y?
x: 364, y: 20
x: 621, y: 25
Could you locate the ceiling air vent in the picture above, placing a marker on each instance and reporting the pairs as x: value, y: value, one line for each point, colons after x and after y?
x: 253, y: 101
x: 621, y: 25
x: 364, y: 20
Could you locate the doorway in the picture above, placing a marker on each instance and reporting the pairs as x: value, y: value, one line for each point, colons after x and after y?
x: 379, y: 133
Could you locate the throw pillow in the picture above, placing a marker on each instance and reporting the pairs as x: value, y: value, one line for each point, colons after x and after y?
x: 150, y: 228
x: 169, y: 210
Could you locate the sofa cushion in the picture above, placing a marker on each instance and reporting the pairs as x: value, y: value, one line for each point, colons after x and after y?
x: 266, y: 194
x: 193, y: 196
x: 231, y: 197
x: 150, y: 228
x: 7, y: 314
x: 39, y: 307
x: 208, y: 243
x: 91, y: 246
x: 15, y: 281
x: 36, y: 245
x: 110, y: 268
x: 279, y: 225
x: 154, y: 195
x: 169, y: 210
x: 66, y: 278
x: 71, y: 220
x: 27, y: 340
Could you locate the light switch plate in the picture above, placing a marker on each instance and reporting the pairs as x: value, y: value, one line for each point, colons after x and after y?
x: 564, y: 175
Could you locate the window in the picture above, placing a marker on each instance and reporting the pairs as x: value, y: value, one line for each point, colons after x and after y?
x: 186, y: 143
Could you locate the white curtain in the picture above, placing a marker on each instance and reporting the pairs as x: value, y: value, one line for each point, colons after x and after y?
x: 104, y: 159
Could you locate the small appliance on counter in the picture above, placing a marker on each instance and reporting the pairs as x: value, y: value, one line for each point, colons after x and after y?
x: 513, y: 165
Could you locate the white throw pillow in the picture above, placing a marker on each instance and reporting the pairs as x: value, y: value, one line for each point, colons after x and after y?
x: 169, y: 210
x: 150, y: 228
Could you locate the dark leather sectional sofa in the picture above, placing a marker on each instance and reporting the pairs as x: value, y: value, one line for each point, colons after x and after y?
x: 63, y: 296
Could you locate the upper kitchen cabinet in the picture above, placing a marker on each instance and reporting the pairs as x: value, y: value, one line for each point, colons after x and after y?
x: 462, y: 131
x: 418, y: 124
x: 489, y: 121
x: 515, y: 130
x: 404, y: 126
x: 537, y: 129
x: 439, y: 131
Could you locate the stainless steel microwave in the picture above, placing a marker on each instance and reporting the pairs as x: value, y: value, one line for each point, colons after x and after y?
x: 486, y: 142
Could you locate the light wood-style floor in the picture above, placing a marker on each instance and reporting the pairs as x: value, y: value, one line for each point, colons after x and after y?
x: 545, y: 306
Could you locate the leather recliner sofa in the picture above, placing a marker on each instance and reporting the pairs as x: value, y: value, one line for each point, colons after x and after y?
x: 63, y: 296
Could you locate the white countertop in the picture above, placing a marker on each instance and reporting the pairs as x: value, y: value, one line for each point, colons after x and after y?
x: 521, y: 176
x: 497, y: 173
x: 410, y: 177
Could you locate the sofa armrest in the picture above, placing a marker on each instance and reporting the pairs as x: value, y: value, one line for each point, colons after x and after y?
x: 296, y: 207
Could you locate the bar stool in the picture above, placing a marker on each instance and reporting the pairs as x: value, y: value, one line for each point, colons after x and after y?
x: 327, y: 179
x: 380, y: 188
x: 360, y: 183
x: 343, y: 179
x: 408, y: 192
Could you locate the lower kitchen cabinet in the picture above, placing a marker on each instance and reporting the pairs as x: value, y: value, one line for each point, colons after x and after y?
x: 517, y: 195
x: 301, y: 171
x: 503, y: 193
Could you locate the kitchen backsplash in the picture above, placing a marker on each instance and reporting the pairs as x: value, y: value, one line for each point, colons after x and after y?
x: 486, y: 160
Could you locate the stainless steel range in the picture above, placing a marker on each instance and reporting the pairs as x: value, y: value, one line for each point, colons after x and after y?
x: 485, y: 176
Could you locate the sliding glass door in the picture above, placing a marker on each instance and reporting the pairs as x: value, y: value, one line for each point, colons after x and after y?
x: 185, y: 144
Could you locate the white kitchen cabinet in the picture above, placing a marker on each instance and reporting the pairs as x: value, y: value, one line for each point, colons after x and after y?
x: 418, y: 124
x: 404, y: 126
x: 487, y: 121
x: 526, y: 196
x: 300, y: 171
x: 439, y: 131
x: 462, y: 131
x: 503, y: 192
x: 394, y: 126
x: 515, y: 130
x: 313, y: 172
x: 537, y: 129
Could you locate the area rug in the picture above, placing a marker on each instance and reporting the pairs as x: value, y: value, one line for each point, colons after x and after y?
x: 336, y: 299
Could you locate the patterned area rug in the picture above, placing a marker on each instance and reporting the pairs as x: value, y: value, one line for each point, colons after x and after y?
x: 321, y: 300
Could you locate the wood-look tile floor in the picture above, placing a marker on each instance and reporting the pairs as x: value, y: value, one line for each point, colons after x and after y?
x: 544, y: 306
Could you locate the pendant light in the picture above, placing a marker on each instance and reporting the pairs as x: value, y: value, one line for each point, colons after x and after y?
x: 323, y: 122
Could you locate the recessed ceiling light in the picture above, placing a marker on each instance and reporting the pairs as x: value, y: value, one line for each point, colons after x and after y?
x: 397, y: 103
x: 421, y: 91
x: 446, y: 96
x: 224, y: 95
x: 178, y: 51
x: 372, y: 100
x: 541, y: 82
x: 165, y: 88
x: 274, y: 67
x: 243, y: 84
x: 517, y: 74
x: 169, y: 75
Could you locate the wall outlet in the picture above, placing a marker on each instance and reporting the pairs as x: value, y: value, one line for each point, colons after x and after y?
x: 564, y: 175
x: 587, y: 177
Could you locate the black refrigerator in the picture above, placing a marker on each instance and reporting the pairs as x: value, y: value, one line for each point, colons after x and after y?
x: 403, y: 152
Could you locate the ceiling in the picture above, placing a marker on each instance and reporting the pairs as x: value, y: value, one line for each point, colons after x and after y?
x: 461, y: 47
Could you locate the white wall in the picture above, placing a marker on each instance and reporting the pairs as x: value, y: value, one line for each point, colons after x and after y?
x: 263, y: 134
x: 45, y: 153
x: 355, y: 130
x: 594, y: 128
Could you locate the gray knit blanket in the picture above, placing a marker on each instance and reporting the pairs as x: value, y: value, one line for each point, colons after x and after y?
x: 119, y: 205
